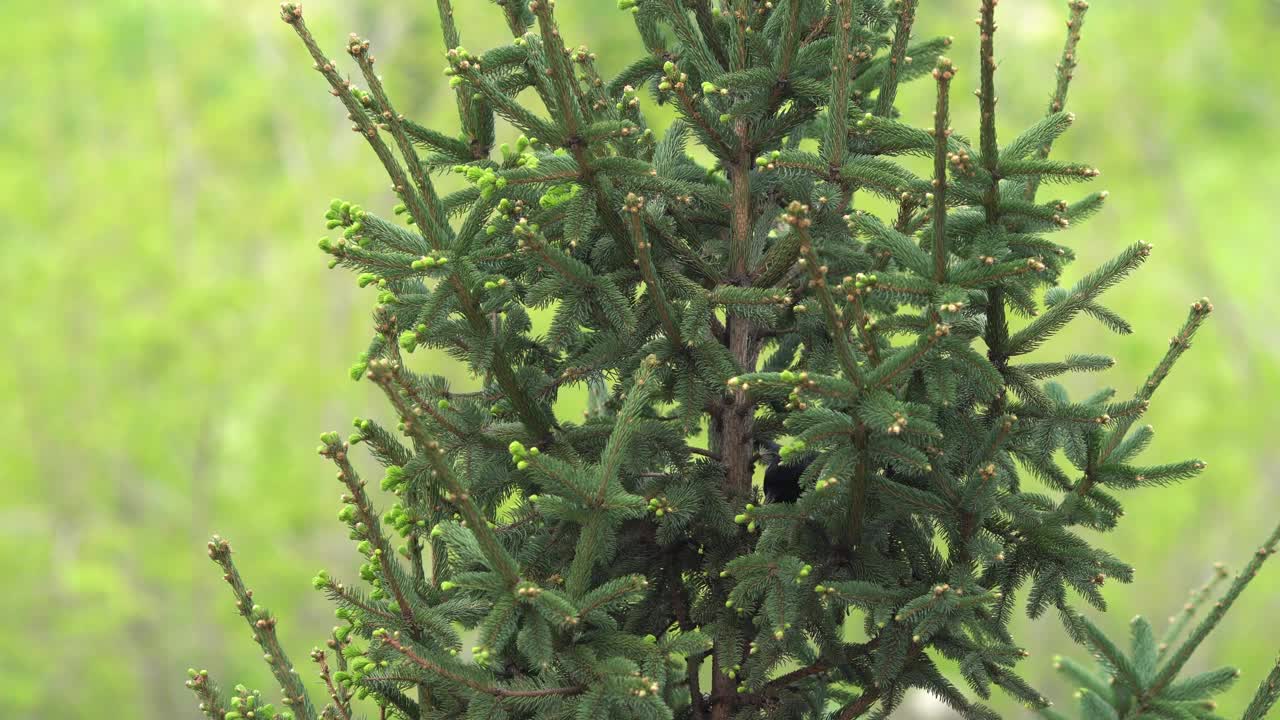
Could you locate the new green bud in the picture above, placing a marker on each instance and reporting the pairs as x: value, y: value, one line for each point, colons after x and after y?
x: 408, y: 340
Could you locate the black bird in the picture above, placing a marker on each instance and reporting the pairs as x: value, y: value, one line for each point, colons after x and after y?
x: 782, y: 481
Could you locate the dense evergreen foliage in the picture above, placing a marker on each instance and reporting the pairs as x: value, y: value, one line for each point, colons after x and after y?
x: 731, y: 306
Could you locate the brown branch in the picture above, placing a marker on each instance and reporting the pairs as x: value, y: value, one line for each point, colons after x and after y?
x: 340, y: 703
x: 860, y: 706
x: 704, y: 453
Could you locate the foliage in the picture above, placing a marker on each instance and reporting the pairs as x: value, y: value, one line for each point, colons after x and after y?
x: 168, y: 385
x: 669, y: 280
x: 1145, y: 682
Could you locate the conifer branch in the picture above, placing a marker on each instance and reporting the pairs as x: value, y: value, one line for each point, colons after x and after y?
x: 906, y: 10
x: 798, y: 218
x: 560, y: 71
x: 1178, y: 344
x: 408, y: 401
x: 787, y: 53
x: 263, y: 625
x: 1066, y: 71
x: 448, y: 25
x: 357, y: 112
x: 860, y: 706
x: 460, y: 498
x: 345, y: 595
x: 590, y: 91
x: 906, y: 358
x: 784, y: 682
x: 987, y: 101
x: 1084, y: 292
x: 428, y: 214
x: 466, y: 104
x: 856, y: 289
x: 696, y: 50
x: 843, y: 62
x: 906, y: 403
x: 462, y: 679
x: 996, y: 333
x: 1266, y: 696
x: 624, y: 429
x: 513, y: 11
x: 703, y: 453
x: 1197, y: 599
x: 380, y: 549
x: 1179, y: 658
x: 739, y: 23
x: 689, y: 109
x: 703, y: 15
x: 206, y: 690
x: 709, y: 275
x: 341, y: 703
x: 424, y: 406
x: 467, y: 67
x: 424, y: 217
x: 562, y: 76
x: 778, y: 261
x: 941, y: 133
x: 634, y: 206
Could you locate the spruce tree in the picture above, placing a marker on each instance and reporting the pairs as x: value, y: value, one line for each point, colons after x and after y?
x: 816, y: 459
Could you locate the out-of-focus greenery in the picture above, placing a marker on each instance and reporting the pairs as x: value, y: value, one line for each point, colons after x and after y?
x: 173, y: 343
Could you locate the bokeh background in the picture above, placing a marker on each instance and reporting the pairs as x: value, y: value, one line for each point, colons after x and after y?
x: 173, y: 343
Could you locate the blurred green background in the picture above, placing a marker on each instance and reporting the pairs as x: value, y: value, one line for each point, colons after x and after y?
x: 173, y: 342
